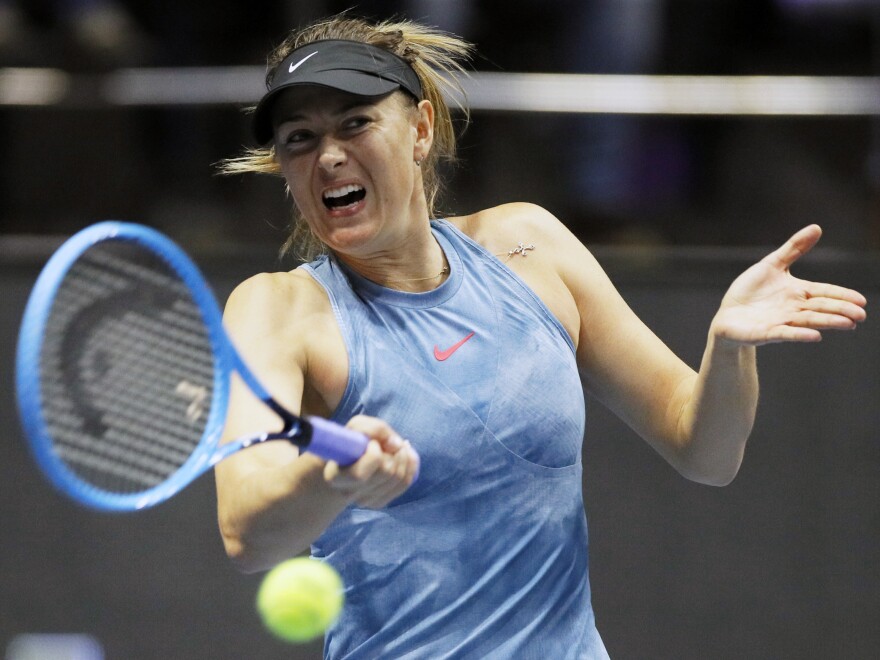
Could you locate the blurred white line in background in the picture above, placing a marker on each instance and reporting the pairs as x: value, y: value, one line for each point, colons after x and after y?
x: 485, y: 91
x: 33, y: 87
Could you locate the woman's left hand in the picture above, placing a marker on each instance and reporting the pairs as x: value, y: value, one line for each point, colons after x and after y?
x: 767, y: 304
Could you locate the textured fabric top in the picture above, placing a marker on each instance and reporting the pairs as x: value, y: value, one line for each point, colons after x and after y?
x: 486, y: 554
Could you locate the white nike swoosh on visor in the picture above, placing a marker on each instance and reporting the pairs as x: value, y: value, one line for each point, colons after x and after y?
x: 294, y: 67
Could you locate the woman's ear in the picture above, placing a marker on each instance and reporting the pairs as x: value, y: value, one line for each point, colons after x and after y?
x: 424, y: 131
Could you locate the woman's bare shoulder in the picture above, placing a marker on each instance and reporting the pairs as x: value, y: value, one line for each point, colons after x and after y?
x: 268, y: 295
x: 281, y: 310
x: 501, y: 228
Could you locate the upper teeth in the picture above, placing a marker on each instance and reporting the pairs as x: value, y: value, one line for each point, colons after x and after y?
x: 344, y: 190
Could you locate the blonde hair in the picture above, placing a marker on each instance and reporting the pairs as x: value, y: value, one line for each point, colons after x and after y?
x: 435, y: 56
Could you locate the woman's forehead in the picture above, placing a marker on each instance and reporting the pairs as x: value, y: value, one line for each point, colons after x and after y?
x: 302, y: 101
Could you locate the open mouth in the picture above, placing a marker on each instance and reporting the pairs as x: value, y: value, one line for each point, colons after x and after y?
x: 338, y: 198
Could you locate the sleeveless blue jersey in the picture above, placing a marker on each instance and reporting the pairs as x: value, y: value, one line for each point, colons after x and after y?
x: 485, y: 556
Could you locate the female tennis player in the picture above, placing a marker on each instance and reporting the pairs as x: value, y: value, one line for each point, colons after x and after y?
x: 461, y: 338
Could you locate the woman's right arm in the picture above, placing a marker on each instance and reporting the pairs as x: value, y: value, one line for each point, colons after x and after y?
x: 272, y: 501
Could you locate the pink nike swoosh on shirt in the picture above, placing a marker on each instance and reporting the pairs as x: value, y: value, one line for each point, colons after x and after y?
x: 444, y: 355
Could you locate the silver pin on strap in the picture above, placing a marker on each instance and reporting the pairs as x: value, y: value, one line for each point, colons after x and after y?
x: 520, y: 249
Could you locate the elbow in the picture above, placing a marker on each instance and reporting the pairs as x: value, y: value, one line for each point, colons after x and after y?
x: 718, y: 480
x: 238, y: 556
x: 712, y: 459
x: 714, y: 475
x: 708, y: 468
x: 249, y: 553
x: 239, y: 552
x: 245, y: 559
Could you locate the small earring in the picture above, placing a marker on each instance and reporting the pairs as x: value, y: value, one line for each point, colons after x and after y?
x: 419, y: 162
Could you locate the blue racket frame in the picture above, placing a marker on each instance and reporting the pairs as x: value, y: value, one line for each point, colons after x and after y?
x: 226, y: 360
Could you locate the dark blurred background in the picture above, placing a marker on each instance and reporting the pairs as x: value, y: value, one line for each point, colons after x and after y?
x: 784, y: 563
x: 614, y: 179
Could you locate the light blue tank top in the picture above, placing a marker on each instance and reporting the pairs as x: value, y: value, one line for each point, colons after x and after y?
x: 485, y: 556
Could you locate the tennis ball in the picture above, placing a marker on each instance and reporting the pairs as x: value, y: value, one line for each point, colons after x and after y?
x: 299, y: 598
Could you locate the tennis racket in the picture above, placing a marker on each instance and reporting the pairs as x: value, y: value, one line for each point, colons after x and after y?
x: 123, y: 370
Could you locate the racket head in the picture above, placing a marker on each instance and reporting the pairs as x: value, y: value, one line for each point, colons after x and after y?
x: 43, y: 400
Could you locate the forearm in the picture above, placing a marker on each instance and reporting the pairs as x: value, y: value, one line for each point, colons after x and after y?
x: 718, y: 413
x: 271, y: 514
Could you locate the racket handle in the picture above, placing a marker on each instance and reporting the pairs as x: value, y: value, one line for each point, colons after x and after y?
x: 335, y: 442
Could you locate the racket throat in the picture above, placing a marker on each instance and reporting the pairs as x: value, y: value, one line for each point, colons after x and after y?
x: 296, y: 430
x: 322, y: 438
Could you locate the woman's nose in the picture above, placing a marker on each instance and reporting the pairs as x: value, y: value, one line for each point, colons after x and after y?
x: 331, y: 156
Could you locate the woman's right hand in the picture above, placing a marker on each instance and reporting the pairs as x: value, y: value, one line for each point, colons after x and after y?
x: 385, y: 471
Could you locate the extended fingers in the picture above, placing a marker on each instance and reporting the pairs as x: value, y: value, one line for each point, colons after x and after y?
x: 843, y: 309
x: 792, y: 333
x: 814, y: 315
x: 824, y: 320
x: 828, y: 306
x: 833, y: 291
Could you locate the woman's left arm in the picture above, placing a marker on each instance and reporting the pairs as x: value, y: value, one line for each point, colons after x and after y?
x: 698, y: 421
x: 766, y: 304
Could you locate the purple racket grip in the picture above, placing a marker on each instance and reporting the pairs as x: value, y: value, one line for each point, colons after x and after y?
x: 334, y: 442
x: 337, y: 443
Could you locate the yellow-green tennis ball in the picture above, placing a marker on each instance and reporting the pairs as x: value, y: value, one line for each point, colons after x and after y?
x: 300, y: 598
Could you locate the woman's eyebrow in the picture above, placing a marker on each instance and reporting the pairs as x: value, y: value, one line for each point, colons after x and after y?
x: 341, y: 110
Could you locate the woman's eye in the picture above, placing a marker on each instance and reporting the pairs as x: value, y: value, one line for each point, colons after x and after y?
x: 297, y: 137
x: 356, y: 122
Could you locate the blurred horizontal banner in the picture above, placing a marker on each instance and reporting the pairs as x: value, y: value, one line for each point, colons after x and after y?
x: 484, y: 91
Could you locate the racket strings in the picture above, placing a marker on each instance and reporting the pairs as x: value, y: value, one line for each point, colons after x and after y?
x: 126, y: 369
x: 115, y: 477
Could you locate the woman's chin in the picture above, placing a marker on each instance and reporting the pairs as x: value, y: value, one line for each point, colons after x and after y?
x: 349, y: 239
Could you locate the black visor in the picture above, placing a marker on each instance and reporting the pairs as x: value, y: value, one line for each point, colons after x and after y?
x: 349, y: 66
